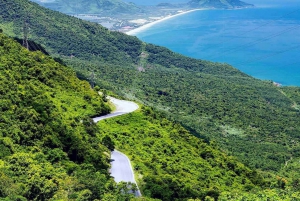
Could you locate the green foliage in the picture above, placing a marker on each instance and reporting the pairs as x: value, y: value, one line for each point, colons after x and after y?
x: 48, y: 144
x: 68, y: 36
x: 164, y: 57
x: 266, y: 195
x: 172, y: 164
x: 248, y: 118
x: 107, y: 7
x: 218, y: 4
x: 107, y: 141
x: 294, y: 94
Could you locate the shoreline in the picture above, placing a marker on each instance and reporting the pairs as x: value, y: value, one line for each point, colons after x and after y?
x: 133, y: 32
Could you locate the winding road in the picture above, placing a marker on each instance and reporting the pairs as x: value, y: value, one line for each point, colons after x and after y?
x: 121, y: 168
x: 122, y: 107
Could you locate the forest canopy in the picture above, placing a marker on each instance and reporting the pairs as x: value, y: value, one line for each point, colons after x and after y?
x: 253, y: 120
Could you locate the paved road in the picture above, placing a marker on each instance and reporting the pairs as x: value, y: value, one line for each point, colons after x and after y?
x: 122, y: 107
x: 121, y: 168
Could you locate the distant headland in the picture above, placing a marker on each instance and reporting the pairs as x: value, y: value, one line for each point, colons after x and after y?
x: 128, y: 17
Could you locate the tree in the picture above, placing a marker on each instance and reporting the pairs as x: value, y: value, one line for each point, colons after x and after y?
x: 107, y: 141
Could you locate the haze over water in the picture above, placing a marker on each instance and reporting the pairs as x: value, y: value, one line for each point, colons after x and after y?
x: 262, y: 42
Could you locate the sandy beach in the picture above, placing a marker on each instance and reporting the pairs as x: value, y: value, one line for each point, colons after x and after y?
x: 146, y: 26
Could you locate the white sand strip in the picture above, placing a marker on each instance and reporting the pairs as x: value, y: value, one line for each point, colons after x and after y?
x: 146, y: 26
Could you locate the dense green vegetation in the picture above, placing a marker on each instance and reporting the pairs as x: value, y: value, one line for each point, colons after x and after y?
x: 68, y: 36
x: 99, y: 7
x: 48, y: 144
x: 218, y: 4
x: 170, y: 163
x: 251, y: 119
x: 248, y: 118
x: 293, y: 93
x: 51, y: 150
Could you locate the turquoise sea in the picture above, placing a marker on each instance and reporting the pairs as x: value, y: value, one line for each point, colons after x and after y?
x: 262, y: 42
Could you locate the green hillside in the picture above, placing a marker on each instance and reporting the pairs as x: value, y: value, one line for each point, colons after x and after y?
x: 48, y: 148
x: 70, y: 37
x: 67, y: 36
x: 107, y: 7
x: 218, y: 4
x: 51, y: 150
x: 220, y: 100
x: 171, y: 164
x: 251, y: 119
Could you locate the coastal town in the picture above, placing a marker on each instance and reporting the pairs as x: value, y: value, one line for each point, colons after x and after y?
x: 126, y: 23
x: 127, y: 16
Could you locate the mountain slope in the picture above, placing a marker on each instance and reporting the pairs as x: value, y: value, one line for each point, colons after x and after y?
x: 108, y: 7
x: 74, y: 38
x: 67, y: 36
x: 248, y: 118
x: 171, y: 164
x: 218, y: 4
x: 52, y: 150
x: 47, y: 140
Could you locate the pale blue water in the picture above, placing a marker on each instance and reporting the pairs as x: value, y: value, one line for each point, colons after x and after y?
x: 262, y: 42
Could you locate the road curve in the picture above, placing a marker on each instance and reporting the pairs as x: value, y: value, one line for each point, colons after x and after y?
x: 121, y: 168
x: 122, y: 107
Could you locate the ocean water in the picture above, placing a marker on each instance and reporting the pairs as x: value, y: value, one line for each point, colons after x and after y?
x: 262, y: 42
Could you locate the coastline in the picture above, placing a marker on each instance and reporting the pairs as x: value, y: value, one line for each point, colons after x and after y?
x: 133, y: 32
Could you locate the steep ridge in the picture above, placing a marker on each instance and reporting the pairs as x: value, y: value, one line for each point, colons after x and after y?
x: 248, y: 118
x: 51, y: 150
x: 91, y: 7
x: 75, y: 39
x: 48, y: 144
x: 121, y: 168
x: 171, y: 164
x: 67, y: 36
x: 218, y: 4
x: 122, y: 107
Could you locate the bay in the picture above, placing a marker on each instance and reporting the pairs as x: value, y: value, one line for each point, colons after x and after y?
x: 262, y: 42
